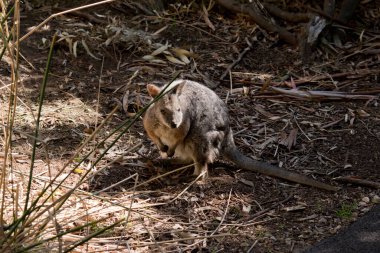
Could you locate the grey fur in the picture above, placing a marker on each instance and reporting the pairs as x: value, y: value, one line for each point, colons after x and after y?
x: 203, y: 131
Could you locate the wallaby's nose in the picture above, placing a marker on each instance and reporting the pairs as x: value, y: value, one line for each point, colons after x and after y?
x: 173, y: 125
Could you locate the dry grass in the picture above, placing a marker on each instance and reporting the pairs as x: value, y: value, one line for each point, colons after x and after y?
x: 40, y: 212
x: 46, y: 211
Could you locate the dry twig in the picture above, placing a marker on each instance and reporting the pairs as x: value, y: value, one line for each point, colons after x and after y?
x: 240, y: 57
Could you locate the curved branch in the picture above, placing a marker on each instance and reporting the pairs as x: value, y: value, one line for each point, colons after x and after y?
x: 235, y: 6
x: 286, y: 15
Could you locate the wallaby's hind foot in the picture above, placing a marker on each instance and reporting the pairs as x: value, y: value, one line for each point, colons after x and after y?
x: 201, y: 170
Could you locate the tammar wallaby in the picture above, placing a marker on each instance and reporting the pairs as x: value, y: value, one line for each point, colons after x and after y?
x: 191, y: 122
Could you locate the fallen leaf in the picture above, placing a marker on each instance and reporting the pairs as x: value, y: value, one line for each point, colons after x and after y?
x: 88, y: 50
x: 148, y: 57
x: 174, y: 60
x: 75, y: 49
x: 205, y: 17
x: 181, y: 51
x: 294, y: 208
x: 289, y: 140
x: 362, y: 113
x: 79, y: 171
x: 160, y: 50
x: 246, y: 182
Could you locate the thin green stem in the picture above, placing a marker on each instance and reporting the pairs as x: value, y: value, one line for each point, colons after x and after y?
x: 36, y: 132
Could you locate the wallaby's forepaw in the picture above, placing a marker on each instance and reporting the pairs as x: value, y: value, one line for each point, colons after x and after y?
x: 163, y: 148
x: 163, y: 155
x: 170, y: 152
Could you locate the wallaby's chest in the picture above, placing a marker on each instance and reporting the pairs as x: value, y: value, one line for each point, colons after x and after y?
x: 171, y: 136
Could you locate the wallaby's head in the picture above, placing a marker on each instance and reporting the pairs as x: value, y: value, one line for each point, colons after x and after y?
x: 169, y: 111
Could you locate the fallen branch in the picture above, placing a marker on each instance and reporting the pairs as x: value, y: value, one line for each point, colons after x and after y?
x: 285, y: 15
x: 355, y: 74
x: 313, y: 95
x: 358, y: 181
x: 235, y: 6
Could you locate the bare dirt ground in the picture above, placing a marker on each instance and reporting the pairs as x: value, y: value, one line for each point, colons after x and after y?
x: 235, y: 210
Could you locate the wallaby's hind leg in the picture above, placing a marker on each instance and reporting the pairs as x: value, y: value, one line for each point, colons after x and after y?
x: 200, y: 168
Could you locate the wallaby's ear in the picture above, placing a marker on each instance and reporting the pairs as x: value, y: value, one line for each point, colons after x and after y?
x: 153, y: 90
x: 178, y: 88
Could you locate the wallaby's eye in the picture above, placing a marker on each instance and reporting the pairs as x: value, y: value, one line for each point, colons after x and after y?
x: 178, y: 109
x: 162, y: 111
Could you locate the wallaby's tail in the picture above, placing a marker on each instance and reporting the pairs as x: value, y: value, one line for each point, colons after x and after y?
x: 246, y: 163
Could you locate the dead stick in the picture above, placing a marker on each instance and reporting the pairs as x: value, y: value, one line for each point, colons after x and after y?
x: 271, y: 207
x: 358, y: 181
x: 241, y: 55
x: 82, y: 15
x: 352, y: 74
x: 285, y: 15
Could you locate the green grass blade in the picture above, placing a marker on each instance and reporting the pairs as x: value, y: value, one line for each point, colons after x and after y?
x: 36, y: 132
x: 86, y: 239
x: 27, y: 211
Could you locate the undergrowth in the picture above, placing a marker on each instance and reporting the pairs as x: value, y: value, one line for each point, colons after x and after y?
x: 36, y: 215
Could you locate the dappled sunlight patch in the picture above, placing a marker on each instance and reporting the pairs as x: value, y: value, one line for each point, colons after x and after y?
x: 70, y: 112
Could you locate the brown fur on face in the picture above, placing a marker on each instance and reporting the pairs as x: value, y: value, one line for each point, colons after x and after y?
x: 163, y: 120
x: 169, y: 112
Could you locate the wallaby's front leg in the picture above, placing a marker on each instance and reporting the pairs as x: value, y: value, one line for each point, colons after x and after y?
x: 165, y: 148
x: 162, y: 147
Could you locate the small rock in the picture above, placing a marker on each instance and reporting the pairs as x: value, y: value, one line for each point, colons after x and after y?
x: 365, y: 199
x: 194, y: 199
x: 366, y: 209
x: 273, y: 238
x: 334, y: 230
x: 322, y: 220
x: 247, y: 208
x: 376, y: 199
x: 362, y: 203
x: 244, y: 244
